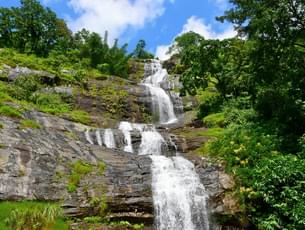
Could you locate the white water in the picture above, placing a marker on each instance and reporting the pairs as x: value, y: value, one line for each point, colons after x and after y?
x: 126, y: 128
x: 98, y: 137
x: 88, y: 137
x: 109, y: 139
x: 179, y: 197
x: 162, y: 104
x: 151, y: 143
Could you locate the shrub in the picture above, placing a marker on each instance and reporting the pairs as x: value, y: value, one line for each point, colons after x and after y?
x: 23, y: 87
x: 9, y: 111
x: 80, y: 116
x: 50, y: 103
x: 243, y: 145
x: 279, y: 188
x: 210, y: 103
x: 214, y: 120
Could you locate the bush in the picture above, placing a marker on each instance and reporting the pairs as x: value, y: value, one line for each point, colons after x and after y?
x: 214, y: 120
x: 50, y: 103
x: 23, y: 87
x: 279, y: 188
x: 243, y: 145
x: 9, y: 111
x: 210, y: 103
x: 81, y: 116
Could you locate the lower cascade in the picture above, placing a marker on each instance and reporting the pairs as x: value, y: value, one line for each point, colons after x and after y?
x: 179, y: 197
x: 180, y: 200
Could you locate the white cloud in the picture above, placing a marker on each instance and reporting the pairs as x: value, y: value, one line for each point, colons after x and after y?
x: 197, y: 25
x: 161, y: 52
x: 115, y: 16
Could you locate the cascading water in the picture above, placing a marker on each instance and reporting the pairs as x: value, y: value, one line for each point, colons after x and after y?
x: 109, y: 139
x: 88, y: 137
x: 178, y: 195
x: 98, y: 138
x: 162, y: 104
x: 126, y: 128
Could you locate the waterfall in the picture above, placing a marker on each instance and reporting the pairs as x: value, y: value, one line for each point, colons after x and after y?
x: 151, y: 143
x: 162, y: 104
x: 98, y: 137
x: 109, y: 139
x: 88, y: 137
x: 126, y: 128
x: 179, y: 197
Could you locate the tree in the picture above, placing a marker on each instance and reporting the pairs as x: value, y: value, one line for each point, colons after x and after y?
x: 277, y: 31
x: 32, y: 28
x: 140, y: 51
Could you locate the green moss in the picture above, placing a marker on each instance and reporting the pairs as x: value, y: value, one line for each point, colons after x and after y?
x: 29, y: 208
x: 6, y: 110
x: 81, y: 117
x: 214, y: 120
x: 101, y: 167
x: 24, y: 124
x: 71, y: 135
x: 79, y: 169
x: 1, y: 126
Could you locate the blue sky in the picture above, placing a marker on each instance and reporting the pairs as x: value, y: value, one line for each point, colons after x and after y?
x: 158, y: 22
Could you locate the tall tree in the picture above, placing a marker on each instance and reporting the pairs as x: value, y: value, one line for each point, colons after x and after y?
x: 140, y: 51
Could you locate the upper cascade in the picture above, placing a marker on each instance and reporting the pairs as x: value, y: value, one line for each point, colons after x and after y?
x: 161, y: 101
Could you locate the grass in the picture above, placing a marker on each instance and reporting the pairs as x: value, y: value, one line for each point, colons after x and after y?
x: 24, y: 124
x: 7, y: 207
x: 212, y: 132
x: 79, y: 169
x: 81, y: 117
x: 8, y: 111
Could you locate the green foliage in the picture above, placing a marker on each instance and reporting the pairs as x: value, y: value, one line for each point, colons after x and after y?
x: 29, y: 124
x: 215, y: 120
x: 244, y: 145
x: 140, y: 52
x: 50, y: 103
x: 93, y: 219
x: 81, y: 116
x: 32, y: 28
x: 79, y: 169
x: 279, y: 187
x: 109, y: 60
x: 29, y: 215
x: 23, y: 87
x: 9, y: 111
x: 210, y: 102
x: 101, y: 167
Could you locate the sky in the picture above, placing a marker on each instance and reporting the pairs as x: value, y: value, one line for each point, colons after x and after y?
x: 158, y: 22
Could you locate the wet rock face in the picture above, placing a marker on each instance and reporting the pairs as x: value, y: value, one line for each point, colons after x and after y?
x: 35, y: 163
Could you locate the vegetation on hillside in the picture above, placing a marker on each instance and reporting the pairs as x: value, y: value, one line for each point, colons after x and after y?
x: 254, y: 88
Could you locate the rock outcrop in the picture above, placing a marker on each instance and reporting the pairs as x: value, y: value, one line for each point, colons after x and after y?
x: 35, y: 164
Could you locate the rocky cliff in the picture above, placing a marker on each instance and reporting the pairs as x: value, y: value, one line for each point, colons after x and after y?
x: 40, y: 163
